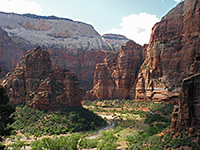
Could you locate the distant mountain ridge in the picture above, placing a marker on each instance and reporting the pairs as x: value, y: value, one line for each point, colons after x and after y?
x: 32, y: 30
x: 115, y: 40
x: 37, y: 16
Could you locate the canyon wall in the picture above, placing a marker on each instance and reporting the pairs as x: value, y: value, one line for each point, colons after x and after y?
x: 187, y: 114
x: 10, y: 52
x: 168, y: 58
x: 115, y: 77
x: 39, y: 84
x: 170, y: 53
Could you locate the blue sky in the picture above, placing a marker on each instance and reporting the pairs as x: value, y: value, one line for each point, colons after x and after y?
x: 132, y: 18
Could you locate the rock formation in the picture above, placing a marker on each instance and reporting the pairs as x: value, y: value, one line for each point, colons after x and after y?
x: 187, y: 114
x: 115, y: 40
x: 71, y: 44
x: 10, y: 52
x: 115, y: 77
x: 170, y: 53
x: 36, y: 82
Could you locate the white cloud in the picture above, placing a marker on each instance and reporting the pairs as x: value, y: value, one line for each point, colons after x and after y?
x: 20, y: 6
x: 136, y: 27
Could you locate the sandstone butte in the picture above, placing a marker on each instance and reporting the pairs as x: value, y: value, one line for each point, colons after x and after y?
x: 168, y: 59
x: 115, y: 77
x: 39, y: 84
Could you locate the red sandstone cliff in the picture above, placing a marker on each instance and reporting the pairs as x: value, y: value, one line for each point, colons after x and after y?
x: 10, y: 52
x: 187, y: 113
x: 36, y: 82
x: 170, y: 53
x: 115, y: 77
x: 83, y: 65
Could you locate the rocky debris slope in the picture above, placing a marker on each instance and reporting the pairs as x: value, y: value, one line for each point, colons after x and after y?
x: 37, y: 83
x: 115, y: 40
x: 71, y: 44
x: 170, y: 53
x: 115, y: 77
x: 10, y: 52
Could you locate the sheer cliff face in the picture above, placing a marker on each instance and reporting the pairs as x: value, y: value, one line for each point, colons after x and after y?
x: 10, y: 52
x: 170, y: 53
x: 115, y: 77
x: 36, y: 82
x: 71, y: 44
x: 187, y: 114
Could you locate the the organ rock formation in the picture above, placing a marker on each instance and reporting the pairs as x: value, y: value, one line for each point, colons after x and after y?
x: 115, y: 40
x: 39, y: 84
x: 170, y: 53
x: 115, y: 77
x: 71, y: 44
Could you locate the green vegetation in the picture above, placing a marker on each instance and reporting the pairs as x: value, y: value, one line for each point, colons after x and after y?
x: 148, y: 138
x: 138, y: 125
x: 165, y: 109
x: 73, y: 142
x: 37, y: 122
x: 63, y: 142
x: 108, y: 141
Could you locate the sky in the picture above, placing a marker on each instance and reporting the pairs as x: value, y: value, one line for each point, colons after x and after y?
x: 131, y: 18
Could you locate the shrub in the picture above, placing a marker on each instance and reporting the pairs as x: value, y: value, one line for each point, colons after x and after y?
x: 165, y: 109
x: 150, y: 118
x: 88, y: 143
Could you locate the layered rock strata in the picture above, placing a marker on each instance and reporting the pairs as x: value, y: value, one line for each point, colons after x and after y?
x: 39, y: 84
x: 170, y: 53
x: 187, y: 114
x: 71, y: 44
x: 115, y: 77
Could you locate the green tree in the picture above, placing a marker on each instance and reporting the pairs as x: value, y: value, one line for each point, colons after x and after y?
x: 108, y: 142
x: 5, y: 114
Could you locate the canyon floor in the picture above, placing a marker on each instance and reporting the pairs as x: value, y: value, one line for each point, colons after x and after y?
x: 131, y: 123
